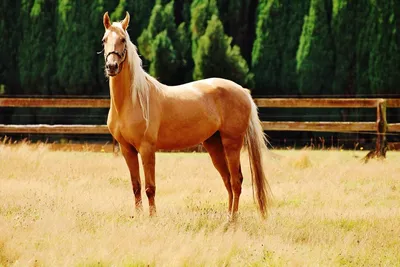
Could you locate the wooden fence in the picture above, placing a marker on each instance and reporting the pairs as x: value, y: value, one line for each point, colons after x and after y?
x: 380, y: 126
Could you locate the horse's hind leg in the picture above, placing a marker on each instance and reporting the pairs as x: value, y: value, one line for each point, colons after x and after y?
x: 232, y: 148
x: 214, y: 147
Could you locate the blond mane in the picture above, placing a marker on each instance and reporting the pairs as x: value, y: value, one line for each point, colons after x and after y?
x: 141, y: 80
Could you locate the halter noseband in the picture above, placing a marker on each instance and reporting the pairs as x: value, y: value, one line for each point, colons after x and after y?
x: 122, y: 55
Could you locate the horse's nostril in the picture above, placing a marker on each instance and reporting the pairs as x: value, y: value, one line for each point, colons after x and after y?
x: 112, y: 66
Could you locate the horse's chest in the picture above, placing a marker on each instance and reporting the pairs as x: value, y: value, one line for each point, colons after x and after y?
x: 125, y: 131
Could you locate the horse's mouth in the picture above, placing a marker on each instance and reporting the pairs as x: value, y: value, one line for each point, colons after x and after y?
x: 112, y: 73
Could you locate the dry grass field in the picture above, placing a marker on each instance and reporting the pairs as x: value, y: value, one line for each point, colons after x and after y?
x: 60, y: 208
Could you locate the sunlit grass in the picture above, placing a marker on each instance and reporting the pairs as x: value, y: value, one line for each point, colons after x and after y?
x: 76, y: 209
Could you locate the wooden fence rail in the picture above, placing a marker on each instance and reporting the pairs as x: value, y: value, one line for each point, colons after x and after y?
x: 261, y: 102
x: 380, y: 126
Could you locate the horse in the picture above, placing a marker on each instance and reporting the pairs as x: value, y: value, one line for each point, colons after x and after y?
x: 146, y: 115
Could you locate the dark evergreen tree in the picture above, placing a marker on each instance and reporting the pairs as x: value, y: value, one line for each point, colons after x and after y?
x: 36, y: 58
x: 163, y: 65
x: 293, y: 15
x: 216, y: 58
x: 315, y: 53
x: 268, y: 47
x: 344, y: 30
x: 74, y: 54
x: 201, y: 12
x: 10, y: 30
x: 139, y: 10
x: 162, y: 36
x: 183, y: 49
x: 384, y: 59
x: 238, y: 18
x: 182, y: 11
x: 365, y: 36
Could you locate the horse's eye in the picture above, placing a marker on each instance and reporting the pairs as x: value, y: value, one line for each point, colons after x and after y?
x: 123, y: 40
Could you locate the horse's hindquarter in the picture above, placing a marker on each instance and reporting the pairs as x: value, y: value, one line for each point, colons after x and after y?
x: 193, y: 112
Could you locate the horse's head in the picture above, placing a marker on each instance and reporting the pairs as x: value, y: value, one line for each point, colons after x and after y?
x: 114, y: 43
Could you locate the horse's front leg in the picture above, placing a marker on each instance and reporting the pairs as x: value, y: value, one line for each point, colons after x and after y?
x: 147, y: 153
x: 131, y: 157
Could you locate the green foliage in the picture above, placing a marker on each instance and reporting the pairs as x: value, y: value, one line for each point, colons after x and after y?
x: 184, y: 56
x: 201, y: 12
x: 215, y: 57
x: 384, y: 57
x: 72, y: 51
x: 164, y: 58
x: 267, y: 49
x: 345, y: 38
x: 278, y: 30
x: 165, y: 45
x: 365, y: 38
x: 315, y: 53
x: 242, y: 28
x: 10, y: 29
x: 317, y: 47
x: 293, y: 14
x: 119, y: 11
x: 36, y: 51
x: 156, y: 42
x: 139, y: 10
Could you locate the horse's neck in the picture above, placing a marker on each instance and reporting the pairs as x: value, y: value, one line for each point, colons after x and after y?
x: 120, y: 90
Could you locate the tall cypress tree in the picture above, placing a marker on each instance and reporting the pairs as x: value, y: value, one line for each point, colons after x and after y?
x: 163, y: 64
x: 182, y: 11
x: 344, y: 30
x: 315, y: 53
x: 78, y: 39
x: 201, y: 12
x: 293, y: 14
x: 165, y: 46
x: 215, y: 57
x: 279, y: 26
x: 238, y: 18
x: 384, y: 58
x: 36, y: 63
x: 267, y: 49
x: 10, y: 27
x: 140, y: 11
x: 365, y: 35
x: 74, y: 55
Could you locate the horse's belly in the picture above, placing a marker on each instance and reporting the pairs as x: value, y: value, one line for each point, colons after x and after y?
x: 180, y: 138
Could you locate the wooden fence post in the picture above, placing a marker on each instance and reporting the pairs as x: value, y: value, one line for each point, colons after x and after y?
x: 381, y: 127
x: 381, y: 123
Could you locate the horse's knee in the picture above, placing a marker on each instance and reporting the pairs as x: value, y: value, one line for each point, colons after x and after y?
x: 237, y: 189
x: 150, y: 191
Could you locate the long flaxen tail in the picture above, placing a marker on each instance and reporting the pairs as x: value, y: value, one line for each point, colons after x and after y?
x: 255, y: 141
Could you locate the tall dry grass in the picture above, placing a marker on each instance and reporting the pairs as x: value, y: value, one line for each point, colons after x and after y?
x: 75, y: 208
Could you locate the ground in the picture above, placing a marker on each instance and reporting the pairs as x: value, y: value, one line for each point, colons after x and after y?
x: 75, y: 208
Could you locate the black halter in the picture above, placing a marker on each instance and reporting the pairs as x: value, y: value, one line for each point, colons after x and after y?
x: 122, y: 55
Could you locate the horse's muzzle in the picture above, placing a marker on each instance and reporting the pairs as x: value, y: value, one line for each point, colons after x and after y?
x: 112, y: 69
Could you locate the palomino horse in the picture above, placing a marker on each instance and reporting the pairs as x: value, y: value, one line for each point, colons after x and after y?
x: 146, y: 115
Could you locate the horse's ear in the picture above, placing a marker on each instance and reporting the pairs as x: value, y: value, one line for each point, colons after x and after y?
x: 106, y: 21
x: 125, y: 22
